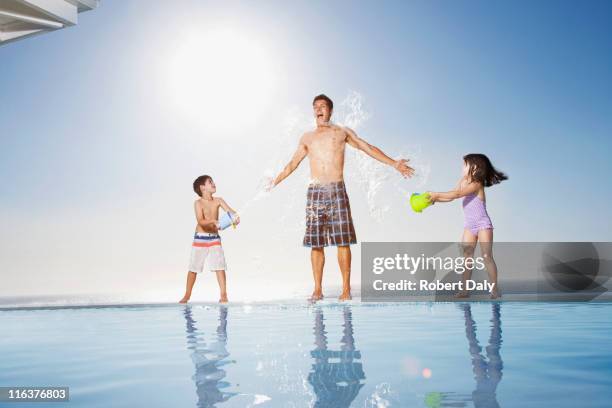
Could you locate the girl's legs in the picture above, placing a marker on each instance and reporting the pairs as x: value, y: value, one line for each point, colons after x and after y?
x: 222, y: 287
x: 486, y: 247
x: 191, y: 278
x: 468, y: 242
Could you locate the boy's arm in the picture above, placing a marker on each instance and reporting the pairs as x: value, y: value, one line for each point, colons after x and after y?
x: 295, y: 161
x: 225, y: 206
x: 207, y: 225
x: 376, y: 153
x: 229, y: 210
x: 458, y: 192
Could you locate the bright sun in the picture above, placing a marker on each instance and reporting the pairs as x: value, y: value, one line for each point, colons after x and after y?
x: 222, y: 78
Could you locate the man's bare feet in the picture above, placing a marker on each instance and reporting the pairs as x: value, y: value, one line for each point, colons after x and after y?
x: 495, y: 294
x: 345, y: 295
x: 316, y: 295
x: 462, y: 294
x: 185, y: 299
x: 223, y: 298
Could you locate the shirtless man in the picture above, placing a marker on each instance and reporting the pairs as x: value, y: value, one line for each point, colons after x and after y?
x: 328, y: 212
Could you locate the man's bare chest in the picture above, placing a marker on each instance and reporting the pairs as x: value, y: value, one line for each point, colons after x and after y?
x: 327, y: 142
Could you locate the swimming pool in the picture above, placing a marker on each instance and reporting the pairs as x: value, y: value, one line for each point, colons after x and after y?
x: 328, y: 355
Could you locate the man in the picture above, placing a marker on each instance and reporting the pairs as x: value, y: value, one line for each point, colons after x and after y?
x: 328, y: 211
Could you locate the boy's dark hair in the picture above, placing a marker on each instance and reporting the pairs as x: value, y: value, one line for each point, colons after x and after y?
x: 482, y: 171
x: 325, y: 98
x: 200, y: 181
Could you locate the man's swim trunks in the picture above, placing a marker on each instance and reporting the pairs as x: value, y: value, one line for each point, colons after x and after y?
x: 328, y: 216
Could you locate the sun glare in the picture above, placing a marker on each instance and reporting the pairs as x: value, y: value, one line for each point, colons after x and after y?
x: 222, y: 78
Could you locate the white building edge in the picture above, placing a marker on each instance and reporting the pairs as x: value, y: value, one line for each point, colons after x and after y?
x: 25, y: 18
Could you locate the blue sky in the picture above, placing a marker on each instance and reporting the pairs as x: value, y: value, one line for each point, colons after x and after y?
x: 96, y: 160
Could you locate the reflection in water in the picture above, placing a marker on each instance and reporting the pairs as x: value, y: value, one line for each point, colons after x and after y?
x: 487, y: 374
x: 336, y: 377
x: 208, y: 360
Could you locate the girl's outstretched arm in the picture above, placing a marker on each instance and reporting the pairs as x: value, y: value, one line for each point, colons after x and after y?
x: 461, y: 190
x: 438, y: 199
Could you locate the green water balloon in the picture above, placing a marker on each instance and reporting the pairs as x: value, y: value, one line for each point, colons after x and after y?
x: 419, y: 202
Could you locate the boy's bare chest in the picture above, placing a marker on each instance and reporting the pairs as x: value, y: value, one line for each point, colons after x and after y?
x: 210, y: 207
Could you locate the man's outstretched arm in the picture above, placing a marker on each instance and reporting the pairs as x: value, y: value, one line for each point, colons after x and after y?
x: 295, y: 161
x: 376, y: 153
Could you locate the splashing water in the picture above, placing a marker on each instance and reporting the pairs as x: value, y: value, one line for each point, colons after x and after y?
x: 259, y: 194
x: 351, y: 113
x: 296, y: 122
x: 380, y: 398
x: 372, y: 176
x: 421, y: 167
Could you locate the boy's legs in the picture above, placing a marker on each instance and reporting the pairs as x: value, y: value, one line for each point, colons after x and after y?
x: 344, y: 261
x: 191, y: 278
x: 196, y: 263
x: 222, y: 286
x: 317, y: 259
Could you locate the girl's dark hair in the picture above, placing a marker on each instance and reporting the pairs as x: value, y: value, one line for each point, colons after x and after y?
x: 200, y: 181
x: 482, y: 171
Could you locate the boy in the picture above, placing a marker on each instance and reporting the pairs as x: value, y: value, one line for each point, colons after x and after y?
x: 206, y: 252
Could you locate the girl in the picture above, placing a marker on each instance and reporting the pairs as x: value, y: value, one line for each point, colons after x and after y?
x: 478, y: 173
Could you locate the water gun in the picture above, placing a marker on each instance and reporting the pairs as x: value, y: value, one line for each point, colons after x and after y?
x: 226, y: 220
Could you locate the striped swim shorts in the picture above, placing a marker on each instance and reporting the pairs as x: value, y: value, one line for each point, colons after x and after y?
x: 206, y: 253
x: 328, y: 216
